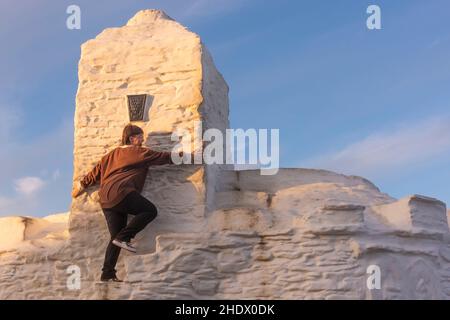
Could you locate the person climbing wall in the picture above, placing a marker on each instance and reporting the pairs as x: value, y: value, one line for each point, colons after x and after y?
x: 122, y: 174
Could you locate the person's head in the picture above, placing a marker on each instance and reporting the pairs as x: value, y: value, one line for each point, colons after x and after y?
x: 132, y: 135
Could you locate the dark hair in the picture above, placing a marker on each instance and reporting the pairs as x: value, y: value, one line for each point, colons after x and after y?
x: 128, y: 131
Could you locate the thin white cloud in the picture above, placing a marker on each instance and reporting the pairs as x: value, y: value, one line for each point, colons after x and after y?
x: 383, y: 152
x: 29, y: 185
x: 50, y: 156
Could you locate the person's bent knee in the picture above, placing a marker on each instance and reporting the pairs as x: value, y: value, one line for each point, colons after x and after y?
x: 152, y: 214
x: 155, y: 211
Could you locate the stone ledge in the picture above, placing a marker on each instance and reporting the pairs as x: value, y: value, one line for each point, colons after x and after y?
x: 415, y: 214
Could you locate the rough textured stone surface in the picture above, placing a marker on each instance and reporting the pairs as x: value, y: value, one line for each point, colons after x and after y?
x: 220, y: 233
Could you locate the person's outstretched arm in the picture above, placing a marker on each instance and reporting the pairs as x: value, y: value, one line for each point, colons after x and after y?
x: 152, y: 157
x: 90, y: 179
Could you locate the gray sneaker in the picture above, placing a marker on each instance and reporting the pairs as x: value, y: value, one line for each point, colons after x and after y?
x: 124, y: 245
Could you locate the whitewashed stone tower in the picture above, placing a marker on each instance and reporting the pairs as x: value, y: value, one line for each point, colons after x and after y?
x: 220, y: 234
x: 156, y: 57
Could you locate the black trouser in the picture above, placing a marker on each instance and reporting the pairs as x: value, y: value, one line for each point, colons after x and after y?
x: 116, y: 217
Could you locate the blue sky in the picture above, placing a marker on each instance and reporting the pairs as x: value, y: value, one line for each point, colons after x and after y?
x: 370, y: 103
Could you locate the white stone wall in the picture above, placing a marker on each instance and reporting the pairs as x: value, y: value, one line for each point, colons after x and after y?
x: 220, y: 234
